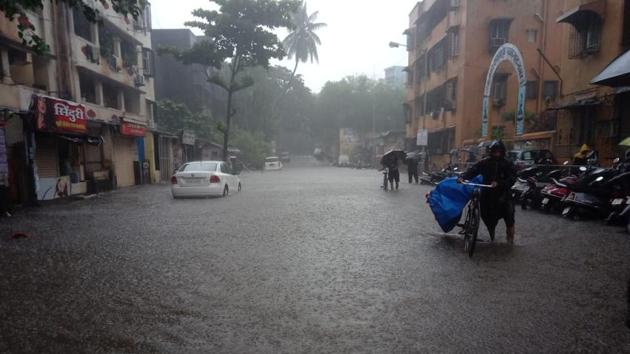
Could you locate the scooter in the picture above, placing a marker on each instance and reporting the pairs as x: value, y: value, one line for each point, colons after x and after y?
x: 590, y: 195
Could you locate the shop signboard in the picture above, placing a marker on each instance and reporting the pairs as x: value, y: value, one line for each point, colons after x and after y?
x: 422, y: 138
x: 188, y: 137
x: 55, y: 115
x: 131, y: 129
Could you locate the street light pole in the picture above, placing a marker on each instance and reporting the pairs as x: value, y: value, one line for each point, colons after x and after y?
x: 396, y: 45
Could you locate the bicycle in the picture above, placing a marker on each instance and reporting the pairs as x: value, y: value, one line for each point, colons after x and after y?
x: 385, y: 178
x: 470, y: 228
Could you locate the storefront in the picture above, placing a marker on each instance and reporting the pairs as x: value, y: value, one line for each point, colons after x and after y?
x: 128, y: 154
x: 67, y: 150
x: 164, y: 150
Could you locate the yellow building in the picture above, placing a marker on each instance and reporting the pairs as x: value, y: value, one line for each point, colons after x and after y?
x: 451, y: 44
x: 594, y: 34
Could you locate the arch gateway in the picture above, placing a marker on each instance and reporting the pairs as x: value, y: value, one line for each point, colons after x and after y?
x: 507, y: 52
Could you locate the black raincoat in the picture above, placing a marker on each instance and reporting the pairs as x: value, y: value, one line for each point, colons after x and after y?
x: 496, y: 203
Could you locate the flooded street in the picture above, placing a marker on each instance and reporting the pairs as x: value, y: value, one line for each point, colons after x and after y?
x: 303, y: 260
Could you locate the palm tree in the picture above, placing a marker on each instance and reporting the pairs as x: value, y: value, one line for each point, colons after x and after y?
x: 302, y: 42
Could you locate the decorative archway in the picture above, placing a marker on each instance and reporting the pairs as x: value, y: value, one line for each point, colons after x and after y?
x: 507, y: 52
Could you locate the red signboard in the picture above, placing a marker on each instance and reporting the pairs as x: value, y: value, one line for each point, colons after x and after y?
x: 131, y: 129
x: 53, y: 114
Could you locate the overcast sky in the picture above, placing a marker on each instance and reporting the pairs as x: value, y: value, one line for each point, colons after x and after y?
x: 355, y: 41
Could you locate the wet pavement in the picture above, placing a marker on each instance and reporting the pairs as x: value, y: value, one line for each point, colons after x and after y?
x: 303, y: 260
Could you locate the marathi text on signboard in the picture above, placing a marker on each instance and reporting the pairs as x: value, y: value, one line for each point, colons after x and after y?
x: 131, y: 129
x: 53, y: 114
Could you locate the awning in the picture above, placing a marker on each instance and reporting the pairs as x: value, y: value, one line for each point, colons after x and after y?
x: 616, y: 73
x: 576, y: 14
x: 578, y: 104
x: 441, y: 130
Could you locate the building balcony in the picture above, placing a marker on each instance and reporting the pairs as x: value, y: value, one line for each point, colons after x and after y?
x: 88, y: 56
x: 18, y: 97
x: 139, y: 29
x: 108, y: 115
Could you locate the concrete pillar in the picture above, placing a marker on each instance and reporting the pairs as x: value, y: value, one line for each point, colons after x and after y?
x: 98, y: 89
x: 95, y: 39
x: 117, y: 47
x: 6, y: 71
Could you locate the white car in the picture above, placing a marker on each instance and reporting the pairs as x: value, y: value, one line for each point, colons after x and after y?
x: 204, y: 179
x: 273, y: 164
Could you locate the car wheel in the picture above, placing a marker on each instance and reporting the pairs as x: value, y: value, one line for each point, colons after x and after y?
x: 239, y: 187
x: 226, y: 191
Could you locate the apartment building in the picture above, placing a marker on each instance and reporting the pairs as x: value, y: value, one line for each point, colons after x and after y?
x: 595, y: 34
x: 78, y: 117
x: 451, y: 44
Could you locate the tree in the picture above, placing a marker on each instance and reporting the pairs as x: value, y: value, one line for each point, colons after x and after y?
x: 239, y: 35
x: 302, y: 41
x: 16, y: 9
x: 358, y: 103
x: 173, y: 117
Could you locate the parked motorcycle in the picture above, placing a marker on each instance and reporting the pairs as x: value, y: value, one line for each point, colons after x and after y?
x: 433, y: 178
x: 590, y: 195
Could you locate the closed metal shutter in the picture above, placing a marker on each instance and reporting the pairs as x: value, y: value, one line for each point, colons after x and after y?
x: 46, y: 157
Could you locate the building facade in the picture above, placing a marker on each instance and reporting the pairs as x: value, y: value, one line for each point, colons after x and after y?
x: 78, y: 117
x: 595, y: 33
x: 451, y: 44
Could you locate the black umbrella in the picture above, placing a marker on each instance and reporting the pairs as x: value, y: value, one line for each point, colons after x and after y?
x: 391, y: 156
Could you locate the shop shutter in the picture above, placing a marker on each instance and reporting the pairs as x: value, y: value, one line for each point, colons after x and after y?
x: 92, y: 158
x: 46, y: 157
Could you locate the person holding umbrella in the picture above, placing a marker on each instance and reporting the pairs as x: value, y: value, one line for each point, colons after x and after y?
x: 390, y: 161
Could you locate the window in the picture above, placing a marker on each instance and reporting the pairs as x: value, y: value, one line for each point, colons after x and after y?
x: 82, y: 27
x: 88, y: 88
x: 147, y: 61
x: 435, y: 101
x: 437, y: 56
x: 499, y: 30
x: 532, y: 90
x: 199, y: 167
x: 499, y: 89
x: 532, y: 35
x: 453, y: 42
x: 585, y: 36
x: 421, y: 69
x: 450, y: 101
x: 454, y: 4
x: 110, y: 96
x: 550, y: 90
x: 419, y: 106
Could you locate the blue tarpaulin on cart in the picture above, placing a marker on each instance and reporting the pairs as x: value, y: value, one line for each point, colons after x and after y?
x: 448, y: 200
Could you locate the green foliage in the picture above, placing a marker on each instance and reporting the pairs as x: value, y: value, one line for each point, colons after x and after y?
x: 239, y: 35
x: 302, y: 42
x: 16, y: 9
x: 359, y: 103
x: 253, y: 147
x: 498, y: 133
x: 174, y: 117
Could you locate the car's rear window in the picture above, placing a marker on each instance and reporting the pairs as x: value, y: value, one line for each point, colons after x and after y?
x: 199, y: 167
x: 272, y: 159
